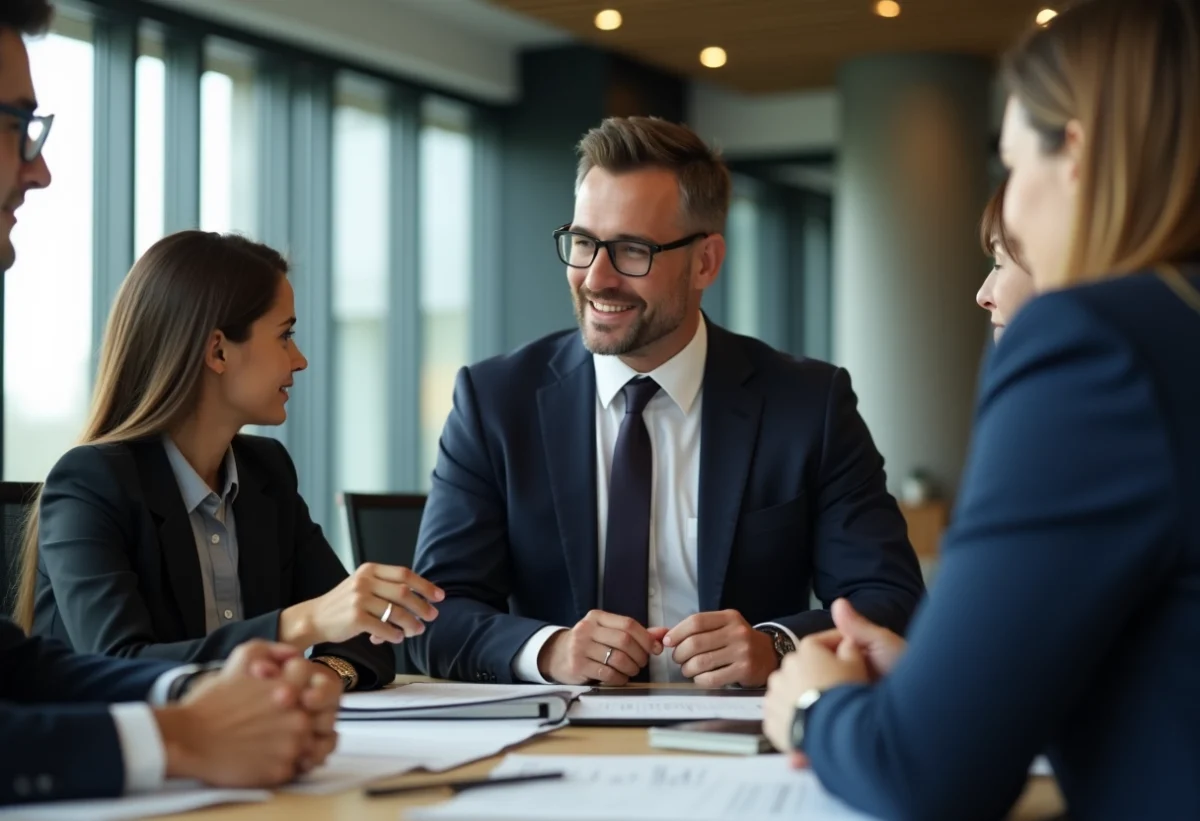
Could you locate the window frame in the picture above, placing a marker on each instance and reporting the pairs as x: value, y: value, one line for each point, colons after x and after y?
x: 295, y: 97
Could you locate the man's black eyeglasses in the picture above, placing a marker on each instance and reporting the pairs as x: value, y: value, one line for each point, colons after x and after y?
x: 630, y: 257
x: 35, y: 131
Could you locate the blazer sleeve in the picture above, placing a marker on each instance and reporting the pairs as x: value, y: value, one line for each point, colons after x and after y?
x: 315, y: 571
x: 1065, y: 485
x: 463, y: 548
x: 861, y: 549
x: 37, y: 670
x: 59, y: 752
x: 84, y: 536
x: 61, y: 742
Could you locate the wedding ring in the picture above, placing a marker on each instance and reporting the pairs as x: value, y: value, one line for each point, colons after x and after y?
x: 607, y: 656
x: 387, y: 613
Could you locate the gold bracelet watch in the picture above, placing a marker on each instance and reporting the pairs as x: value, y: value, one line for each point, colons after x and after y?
x: 344, y: 669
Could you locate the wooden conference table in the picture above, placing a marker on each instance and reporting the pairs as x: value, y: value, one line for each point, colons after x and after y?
x: 1041, y: 799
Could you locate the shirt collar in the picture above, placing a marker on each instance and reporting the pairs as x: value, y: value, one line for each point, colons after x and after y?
x: 680, y: 377
x: 191, y: 486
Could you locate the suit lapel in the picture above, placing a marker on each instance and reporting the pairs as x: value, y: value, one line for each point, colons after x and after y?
x: 175, y: 537
x: 257, y: 522
x: 728, y: 432
x: 567, y: 411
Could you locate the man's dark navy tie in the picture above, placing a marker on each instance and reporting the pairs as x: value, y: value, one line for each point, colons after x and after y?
x: 627, y: 540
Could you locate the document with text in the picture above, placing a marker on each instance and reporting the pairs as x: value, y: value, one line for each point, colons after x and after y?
x: 647, y: 788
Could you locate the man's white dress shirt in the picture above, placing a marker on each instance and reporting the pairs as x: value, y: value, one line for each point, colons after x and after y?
x: 142, y: 747
x: 673, y: 420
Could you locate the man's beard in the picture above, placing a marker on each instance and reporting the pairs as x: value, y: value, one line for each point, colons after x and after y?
x: 646, y: 328
x: 8, y: 254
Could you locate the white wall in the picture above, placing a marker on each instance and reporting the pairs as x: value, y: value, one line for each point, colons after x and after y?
x: 461, y: 45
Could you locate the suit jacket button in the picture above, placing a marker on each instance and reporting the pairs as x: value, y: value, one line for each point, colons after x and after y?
x: 22, y: 786
x: 44, y: 784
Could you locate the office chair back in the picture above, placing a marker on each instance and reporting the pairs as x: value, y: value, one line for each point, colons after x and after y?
x: 15, y: 498
x: 384, y: 529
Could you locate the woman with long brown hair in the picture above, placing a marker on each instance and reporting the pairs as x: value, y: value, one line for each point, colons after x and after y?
x: 169, y: 534
x: 1066, y: 616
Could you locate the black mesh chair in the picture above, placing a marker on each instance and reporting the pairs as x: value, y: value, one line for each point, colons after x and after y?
x: 15, y: 498
x: 383, y: 529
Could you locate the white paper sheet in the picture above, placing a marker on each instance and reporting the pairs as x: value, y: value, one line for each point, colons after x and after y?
x: 373, y: 750
x: 444, y: 695
x: 665, y: 708
x: 434, y: 745
x: 180, y: 796
x: 647, y: 788
x: 345, y: 772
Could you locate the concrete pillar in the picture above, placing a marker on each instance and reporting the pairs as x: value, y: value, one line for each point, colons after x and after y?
x: 912, y: 181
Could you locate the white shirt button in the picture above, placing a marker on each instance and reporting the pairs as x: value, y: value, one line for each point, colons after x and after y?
x: 44, y: 784
x: 229, y: 614
x: 215, y: 539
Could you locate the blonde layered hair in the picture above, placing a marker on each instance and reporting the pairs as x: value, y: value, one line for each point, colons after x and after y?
x: 184, y: 288
x: 1129, y: 73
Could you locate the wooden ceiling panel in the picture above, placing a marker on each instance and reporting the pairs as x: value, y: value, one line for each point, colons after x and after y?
x: 779, y: 45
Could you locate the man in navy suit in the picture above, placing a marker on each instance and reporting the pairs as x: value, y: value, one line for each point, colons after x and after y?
x: 654, y: 497
x: 78, y: 726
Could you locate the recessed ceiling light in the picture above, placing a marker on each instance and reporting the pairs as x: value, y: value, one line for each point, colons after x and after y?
x: 608, y: 20
x: 1045, y: 16
x: 887, y: 8
x: 713, y: 57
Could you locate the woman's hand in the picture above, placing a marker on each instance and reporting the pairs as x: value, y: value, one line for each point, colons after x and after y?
x: 816, y: 665
x: 358, y: 605
x: 857, y: 651
x: 880, y: 647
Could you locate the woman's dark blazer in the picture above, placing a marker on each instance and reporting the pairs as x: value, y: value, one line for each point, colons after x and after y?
x: 1066, y: 613
x: 119, y: 573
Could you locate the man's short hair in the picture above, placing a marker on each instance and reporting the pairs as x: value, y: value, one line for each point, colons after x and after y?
x: 621, y: 144
x: 26, y: 16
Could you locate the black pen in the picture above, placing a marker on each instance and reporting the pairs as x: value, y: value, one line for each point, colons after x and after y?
x: 460, y: 786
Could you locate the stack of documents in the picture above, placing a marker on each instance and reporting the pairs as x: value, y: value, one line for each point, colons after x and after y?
x: 650, y: 708
x: 370, y: 750
x: 473, y: 701
x: 647, y: 788
x: 435, y: 745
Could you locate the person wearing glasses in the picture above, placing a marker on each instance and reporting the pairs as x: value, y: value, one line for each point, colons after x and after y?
x: 651, y: 496
x: 79, y: 726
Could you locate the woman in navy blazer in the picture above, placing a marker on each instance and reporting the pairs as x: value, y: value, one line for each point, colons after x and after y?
x: 1066, y: 616
x: 168, y: 534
